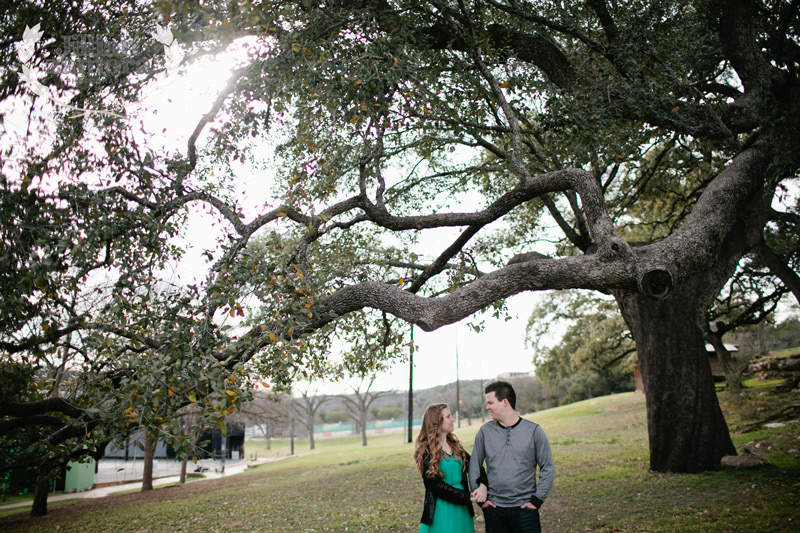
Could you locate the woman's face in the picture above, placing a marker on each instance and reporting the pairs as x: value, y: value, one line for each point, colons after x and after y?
x: 448, y: 422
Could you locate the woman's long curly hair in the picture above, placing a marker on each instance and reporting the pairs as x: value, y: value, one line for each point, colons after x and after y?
x: 428, y: 444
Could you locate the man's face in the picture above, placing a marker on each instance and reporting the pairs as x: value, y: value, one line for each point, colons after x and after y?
x: 494, y: 406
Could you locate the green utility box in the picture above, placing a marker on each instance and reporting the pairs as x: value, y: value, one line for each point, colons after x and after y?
x: 80, y: 476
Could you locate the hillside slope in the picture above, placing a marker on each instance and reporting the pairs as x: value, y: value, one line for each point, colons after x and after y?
x: 602, y: 484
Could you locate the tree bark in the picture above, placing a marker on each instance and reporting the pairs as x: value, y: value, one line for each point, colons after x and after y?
x: 733, y: 378
x: 363, y: 425
x: 40, y: 492
x: 778, y: 266
x: 149, y: 456
x: 184, y: 462
x: 685, y: 425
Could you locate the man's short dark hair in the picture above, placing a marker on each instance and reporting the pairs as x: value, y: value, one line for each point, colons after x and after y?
x: 503, y: 391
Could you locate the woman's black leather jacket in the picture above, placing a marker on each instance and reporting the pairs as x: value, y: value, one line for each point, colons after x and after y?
x: 435, y: 488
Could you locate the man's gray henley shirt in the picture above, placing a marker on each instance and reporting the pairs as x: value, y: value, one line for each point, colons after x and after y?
x: 512, y: 455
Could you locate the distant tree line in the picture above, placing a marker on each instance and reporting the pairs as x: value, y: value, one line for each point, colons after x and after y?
x: 774, y: 336
x: 535, y: 393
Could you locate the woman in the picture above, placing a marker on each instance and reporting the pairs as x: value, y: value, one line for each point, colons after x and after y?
x: 444, y: 463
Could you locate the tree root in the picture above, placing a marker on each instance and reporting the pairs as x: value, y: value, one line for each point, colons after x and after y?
x: 787, y: 413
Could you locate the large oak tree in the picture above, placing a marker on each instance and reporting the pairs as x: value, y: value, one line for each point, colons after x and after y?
x: 398, y: 118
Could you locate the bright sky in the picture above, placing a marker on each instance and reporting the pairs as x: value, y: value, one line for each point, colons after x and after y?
x: 497, y: 349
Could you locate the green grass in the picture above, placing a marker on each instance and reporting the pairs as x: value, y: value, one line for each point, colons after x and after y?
x: 278, y: 448
x: 27, y: 498
x: 189, y: 477
x: 602, y: 483
x: 7, y: 500
x: 786, y: 353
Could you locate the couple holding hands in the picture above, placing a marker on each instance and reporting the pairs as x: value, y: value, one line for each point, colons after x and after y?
x: 506, y: 490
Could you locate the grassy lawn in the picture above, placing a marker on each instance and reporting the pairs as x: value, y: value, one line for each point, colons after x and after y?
x: 602, y: 483
x: 25, y: 499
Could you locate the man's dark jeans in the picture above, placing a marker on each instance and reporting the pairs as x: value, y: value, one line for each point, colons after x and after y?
x: 511, y: 520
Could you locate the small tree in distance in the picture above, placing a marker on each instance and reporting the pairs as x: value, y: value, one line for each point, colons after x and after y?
x: 375, y: 342
x: 270, y: 412
x: 359, y: 402
x: 306, y: 407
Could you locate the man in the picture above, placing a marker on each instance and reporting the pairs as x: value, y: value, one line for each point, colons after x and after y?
x: 513, y: 448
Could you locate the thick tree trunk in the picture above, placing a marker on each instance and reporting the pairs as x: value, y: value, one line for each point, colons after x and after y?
x: 40, y: 492
x: 685, y: 425
x: 149, y: 456
x: 686, y: 428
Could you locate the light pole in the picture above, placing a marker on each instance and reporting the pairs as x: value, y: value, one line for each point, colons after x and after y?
x: 458, y: 387
x: 411, y: 388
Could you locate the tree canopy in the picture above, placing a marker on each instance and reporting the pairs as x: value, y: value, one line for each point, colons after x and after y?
x: 391, y: 120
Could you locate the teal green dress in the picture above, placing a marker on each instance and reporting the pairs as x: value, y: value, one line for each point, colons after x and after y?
x: 450, y: 517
